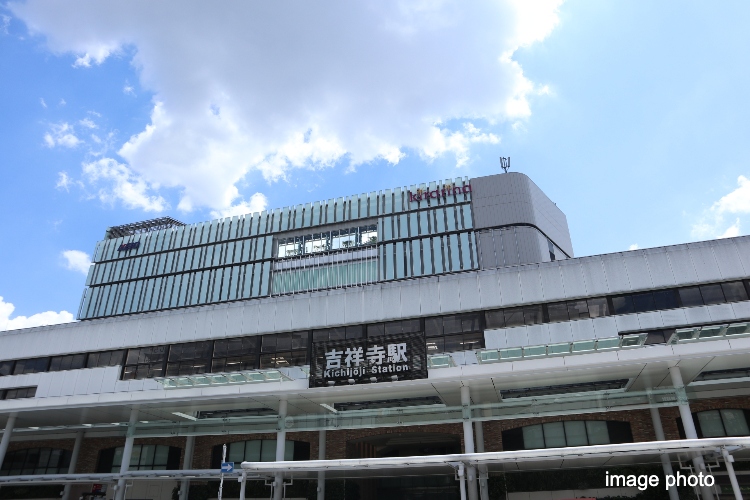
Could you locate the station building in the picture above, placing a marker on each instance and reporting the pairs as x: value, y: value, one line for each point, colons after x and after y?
x: 448, y: 318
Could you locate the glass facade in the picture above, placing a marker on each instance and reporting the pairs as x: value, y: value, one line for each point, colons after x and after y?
x: 399, y: 233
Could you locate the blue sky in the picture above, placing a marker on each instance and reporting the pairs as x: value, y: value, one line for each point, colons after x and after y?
x: 631, y: 116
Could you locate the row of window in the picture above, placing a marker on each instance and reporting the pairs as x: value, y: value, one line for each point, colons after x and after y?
x: 35, y: 461
x: 595, y: 307
x: 568, y: 433
x: 314, y: 275
x: 60, y: 363
x: 143, y: 457
x: 187, y: 289
x: 280, y: 219
x: 427, y: 256
x: 219, y: 254
x: 260, y: 450
x: 327, y: 241
x: 426, y: 222
x: 18, y: 393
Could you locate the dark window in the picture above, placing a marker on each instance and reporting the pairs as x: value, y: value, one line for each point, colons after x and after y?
x: 494, y: 319
x: 598, y: 307
x: 433, y: 327
x: 146, y: 362
x: 644, y: 302
x: 513, y: 317
x: 69, y: 362
x: 143, y: 457
x: 189, y: 359
x: 435, y: 345
x: 290, y: 349
x: 567, y: 433
x: 6, y: 367
x: 558, y: 312
x: 260, y: 450
x: 712, y: 294
x: 666, y: 299
x: 19, y: 393
x: 376, y: 330
x: 107, y: 358
x: 578, y: 309
x: 35, y: 461
x: 35, y: 365
x: 690, y: 296
x: 734, y: 291
x: 622, y: 304
x: 722, y: 423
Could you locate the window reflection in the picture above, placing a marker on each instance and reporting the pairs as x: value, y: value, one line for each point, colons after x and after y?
x: 332, y: 240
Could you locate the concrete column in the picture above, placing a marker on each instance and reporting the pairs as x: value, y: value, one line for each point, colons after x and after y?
x: 187, y: 464
x: 469, y: 444
x: 666, y: 464
x: 278, y: 489
x: 5, y: 441
x: 321, y: 456
x: 126, y: 453
x: 484, y: 492
x: 73, y: 463
x: 728, y: 459
x: 689, y: 426
x: 243, y: 482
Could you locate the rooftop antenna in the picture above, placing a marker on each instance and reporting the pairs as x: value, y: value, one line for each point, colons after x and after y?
x: 505, y: 163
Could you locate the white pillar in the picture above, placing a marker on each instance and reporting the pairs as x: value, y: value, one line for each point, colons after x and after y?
x: 187, y: 464
x: 469, y: 443
x: 462, y: 481
x: 666, y: 464
x: 728, y: 459
x: 484, y: 492
x: 689, y: 426
x: 243, y: 482
x: 321, y: 456
x: 5, y: 441
x: 126, y: 453
x: 278, y: 489
x: 73, y: 463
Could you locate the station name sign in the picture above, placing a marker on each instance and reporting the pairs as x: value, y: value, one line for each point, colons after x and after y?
x: 369, y: 360
x: 441, y: 192
x: 128, y: 246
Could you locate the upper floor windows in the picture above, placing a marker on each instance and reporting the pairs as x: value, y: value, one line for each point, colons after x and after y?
x: 568, y: 433
x: 722, y: 423
x: 143, y: 457
x: 35, y: 461
x: 327, y: 241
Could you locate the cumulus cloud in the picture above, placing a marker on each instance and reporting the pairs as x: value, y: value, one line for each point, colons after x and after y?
x: 122, y: 185
x: 128, y: 89
x: 258, y: 202
x: 88, y: 123
x: 4, y: 24
x: 713, y: 222
x: 634, y: 246
x: 39, y: 319
x: 76, y: 260
x: 42, y: 102
x: 273, y: 86
x: 61, y: 134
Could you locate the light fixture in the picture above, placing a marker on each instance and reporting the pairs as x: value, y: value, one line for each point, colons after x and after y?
x: 184, y: 415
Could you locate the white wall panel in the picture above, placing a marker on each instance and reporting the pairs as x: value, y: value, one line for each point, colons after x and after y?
x: 516, y: 337
x: 173, y: 328
x: 494, y: 339
x: 650, y: 320
x: 234, y: 321
x: 69, y: 381
x: 301, y: 312
x: 318, y: 310
x: 704, y: 262
x: 538, y: 335
x: 267, y: 318
x: 283, y: 315
x: 219, y: 323
x: 335, y: 308
x: 372, y: 304
x: 721, y: 312
x: 728, y: 260
x: 468, y: 289
x: 95, y: 380
x: 450, y: 298
x: 353, y: 310
x: 391, y: 302
x: 199, y: 330
x: 627, y: 323
x: 83, y: 379
x: 510, y: 287
x: 583, y: 329
x: 673, y: 317
x: 682, y: 265
x: 741, y: 310
x: 410, y: 307
x: 594, y: 277
x: 552, y: 282
x: 572, y: 278
x: 250, y: 315
x: 489, y: 290
x: 429, y: 296
x: 638, y: 271
x: 55, y: 385
x: 617, y: 274
x: 660, y: 268
x: 743, y: 251
x: 697, y: 315
x: 560, y: 332
x: 110, y: 379
x: 605, y: 327
x: 531, y: 284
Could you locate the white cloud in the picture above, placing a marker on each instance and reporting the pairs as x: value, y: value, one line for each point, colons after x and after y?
x: 128, y: 89
x: 124, y: 186
x: 62, y: 102
x: 39, y: 319
x: 4, y: 24
x: 76, y: 260
x: 712, y: 223
x: 88, y: 123
x: 273, y: 87
x: 41, y: 101
x: 258, y: 202
x: 64, y: 181
x: 634, y: 246
x: 61, y: 134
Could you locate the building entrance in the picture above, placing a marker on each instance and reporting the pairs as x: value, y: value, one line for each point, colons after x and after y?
x: 438, y: 487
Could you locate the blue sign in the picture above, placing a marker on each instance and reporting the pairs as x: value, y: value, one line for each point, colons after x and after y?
x: 227, y: 467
